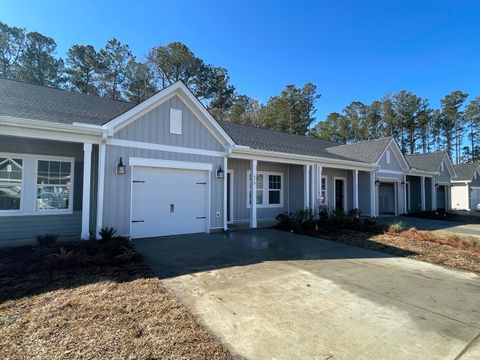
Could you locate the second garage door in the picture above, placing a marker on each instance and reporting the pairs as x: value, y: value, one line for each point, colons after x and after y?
x: 168, y: 201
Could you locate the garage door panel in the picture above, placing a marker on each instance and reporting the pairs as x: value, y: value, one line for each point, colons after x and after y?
x: 156, y: 190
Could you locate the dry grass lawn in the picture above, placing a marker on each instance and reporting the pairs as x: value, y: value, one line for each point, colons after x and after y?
x: 456, y: 251
x: 112, y: 311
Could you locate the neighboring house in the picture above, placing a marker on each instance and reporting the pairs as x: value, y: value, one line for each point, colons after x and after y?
x: 466, y: 187
x: 71, y: 164
x: 429, y: 181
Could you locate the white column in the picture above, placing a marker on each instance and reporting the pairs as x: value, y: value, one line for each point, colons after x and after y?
x: 87, y: 170
x: 253, y: 195
x: 373, y: 194
x: 434, y: 196
x: 225, y: 176
x: 319, y: 189
x: 422, y: 192
x: 355, y: 189
x: 313, y: 185
x: 405, y: 210
x: 306, y: 186
x: 101, y: 186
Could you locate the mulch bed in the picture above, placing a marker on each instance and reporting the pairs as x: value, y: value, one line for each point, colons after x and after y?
x: 115, y: 310
x: 435, y: 248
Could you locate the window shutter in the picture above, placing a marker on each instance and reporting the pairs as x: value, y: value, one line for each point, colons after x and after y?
x: 176, y: 121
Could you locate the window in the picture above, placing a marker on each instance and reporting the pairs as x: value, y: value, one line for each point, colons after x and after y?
x: 323, y: 192
x: 269, y: 189
x: 11, y: 179
x: 53, y: 185
x: 176, y: 121
x: 388, y: 156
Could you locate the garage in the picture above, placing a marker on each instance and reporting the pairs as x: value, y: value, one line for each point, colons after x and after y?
x: 386, y: 198
x: 475, y: 198
x: 169, y: 201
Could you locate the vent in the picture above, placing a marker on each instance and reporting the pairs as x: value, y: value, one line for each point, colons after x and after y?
x: 176, y: 121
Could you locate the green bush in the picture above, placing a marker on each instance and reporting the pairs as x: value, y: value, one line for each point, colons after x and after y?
x: 47, y: 240
x: 107, y: 233
x: 396, y: 227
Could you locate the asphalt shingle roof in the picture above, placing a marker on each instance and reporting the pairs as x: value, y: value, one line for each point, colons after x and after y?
x: 24, y: 100
x: 366, y: 151
x: 427, y: 162
x: 465, y: 171
x: 271, y: 140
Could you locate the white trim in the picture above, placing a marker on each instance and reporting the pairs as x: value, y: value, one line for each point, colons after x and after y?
x: 100, y: 187
x: 288, y: 158
x: 373, y: 194
x: 390, y: 172
x: 422, y: 193
x: 408, y: 197
x: 167, y: 148
x: 416, y: 172
x: 266, y: 189
x: 397, y: 153
x: 253, y: 193
x: 231, y: 172
x: 225, y: 178
x: 134, y: 161
x: 86, y: 186
x: 396, y: 193
x: 209, y: 202
x: 344, y: 179
x: 14, y: 212
x: 355, y: 189
x: 176, y: 119
x: 325, y: 200
x: 306, y: 186
x: 175, y: 89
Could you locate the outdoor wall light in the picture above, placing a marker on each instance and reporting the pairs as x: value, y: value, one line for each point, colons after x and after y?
x: 402, y: 183
x: 437, y: 185
x: 220, y: 173
x: 9, y: 167
x: 120, y: 167
x: 377, y: 182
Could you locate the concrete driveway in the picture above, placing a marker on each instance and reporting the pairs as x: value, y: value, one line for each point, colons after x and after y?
x: 274, y: 295
x: 466, y: 228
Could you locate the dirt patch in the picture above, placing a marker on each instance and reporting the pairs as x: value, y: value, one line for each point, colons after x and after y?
x: 456, y: 251
x: 114, y: 311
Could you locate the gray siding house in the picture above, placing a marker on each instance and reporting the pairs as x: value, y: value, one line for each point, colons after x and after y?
x: 466, y: 187
x: 71, y: 164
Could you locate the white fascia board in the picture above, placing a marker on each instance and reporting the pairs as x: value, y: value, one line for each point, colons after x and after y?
x: 170, y: 164
x: 178, y: 88
x: 273, y: 156
x: 417, y: 172
x: 461, y: 182
x: 450, y: 166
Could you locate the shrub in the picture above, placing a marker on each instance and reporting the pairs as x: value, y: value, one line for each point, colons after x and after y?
x: 47, y: 240
x: 395, y: 227
x: 107, y: 233
x: 285, y: 221
x: 305, y: 219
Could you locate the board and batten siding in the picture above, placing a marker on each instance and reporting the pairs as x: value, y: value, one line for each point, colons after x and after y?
x: 28, y: 227
x: 154, y: 128
x: 443, y: 176
x: 394, y: 163
x: 241, y: 212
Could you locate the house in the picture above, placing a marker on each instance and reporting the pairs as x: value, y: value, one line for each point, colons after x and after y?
x: 428, y: 183
x: 72, y: 163
x: 466, y: 187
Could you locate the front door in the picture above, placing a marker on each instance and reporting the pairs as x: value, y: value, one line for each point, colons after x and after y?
x: 339, y: 194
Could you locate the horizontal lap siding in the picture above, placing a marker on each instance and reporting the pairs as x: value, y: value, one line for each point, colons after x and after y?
x: 118, y: 187
x: 28, y: 227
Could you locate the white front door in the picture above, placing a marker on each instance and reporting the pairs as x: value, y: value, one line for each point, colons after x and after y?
x: 168, y: 201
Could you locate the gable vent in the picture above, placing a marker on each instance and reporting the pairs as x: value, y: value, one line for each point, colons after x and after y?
x: 176, y: 121
x: 388, y: 157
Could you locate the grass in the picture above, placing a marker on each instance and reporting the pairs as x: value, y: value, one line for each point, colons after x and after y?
x: 87, y: 301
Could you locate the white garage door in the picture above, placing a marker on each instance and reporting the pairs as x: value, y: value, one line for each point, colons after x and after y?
x: 168, y: 201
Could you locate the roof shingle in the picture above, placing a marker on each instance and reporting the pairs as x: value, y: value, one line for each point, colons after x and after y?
x: 465, y: 172
x: 427, y: 162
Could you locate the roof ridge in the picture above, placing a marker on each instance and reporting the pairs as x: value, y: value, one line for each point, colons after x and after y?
x: 65, y: 90
x: 366, y: 141
x: 427, y: 153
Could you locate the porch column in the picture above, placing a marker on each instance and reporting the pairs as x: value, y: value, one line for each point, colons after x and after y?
x: 405, y: 210
x: 434, y: 196
x: 87, y: 168
x: 306, y: 186
x: 253, y: 195
x: 355, y: 189
x: 422, y: 192
x: 101, y: 186
x: 313, y: 179
x: 319, y: 188
x: 373, y: 194
x: 225, y: 177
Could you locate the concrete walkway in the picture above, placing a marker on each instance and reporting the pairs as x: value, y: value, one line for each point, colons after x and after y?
x: 435, y: 225
x: 274, y: 295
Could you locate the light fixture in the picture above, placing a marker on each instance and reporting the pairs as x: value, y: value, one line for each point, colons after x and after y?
x: 402, y: 183
x: 120, y: 167
x: 437, y: 185
x: 220, y: 173
x: 9, y: 166
x: 377, y: 182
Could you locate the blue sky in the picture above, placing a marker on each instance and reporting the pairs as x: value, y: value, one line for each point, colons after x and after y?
x: 352, y: 50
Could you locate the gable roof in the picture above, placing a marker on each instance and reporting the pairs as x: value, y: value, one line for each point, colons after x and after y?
x: 271, y: 140
x: 366, y: 151
x: 24, y: 100
x: 465, y: 172
x: 427, y: 162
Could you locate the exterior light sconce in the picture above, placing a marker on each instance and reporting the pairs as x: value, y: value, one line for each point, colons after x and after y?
x: 402, y: 184
x: 220, y: 173
x: 437, y: 185
x: 377, y: 182
x: 120, y: 167
x: 9, y: 166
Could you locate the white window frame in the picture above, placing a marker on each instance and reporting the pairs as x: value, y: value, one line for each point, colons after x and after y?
x: 345, y: 193
x: 266, y: 189
x: 28, y: 197
x: 16, y: 212
x: 325, y: 202
x: 176, y: 119
x: 69, y: 210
